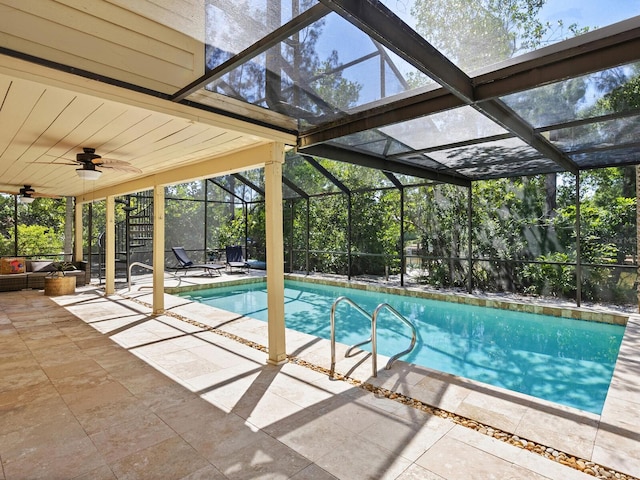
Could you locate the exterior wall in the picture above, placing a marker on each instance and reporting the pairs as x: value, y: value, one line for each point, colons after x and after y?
x: 154, y: 44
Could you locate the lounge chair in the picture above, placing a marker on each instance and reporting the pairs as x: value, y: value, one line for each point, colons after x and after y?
x: 234, y: 258
x: 185, y: 263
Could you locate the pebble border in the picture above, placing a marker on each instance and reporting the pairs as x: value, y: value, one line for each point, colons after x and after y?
x: 585, y: 466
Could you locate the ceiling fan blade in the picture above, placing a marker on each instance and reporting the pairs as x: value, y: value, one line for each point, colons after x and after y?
x: 56, y: 163
x: 8, y: 192
x: 125, y: 167
x: 109, y: 161
x: 45, y: 195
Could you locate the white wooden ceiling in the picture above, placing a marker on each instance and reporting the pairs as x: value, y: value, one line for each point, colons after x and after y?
x: 43, y: 125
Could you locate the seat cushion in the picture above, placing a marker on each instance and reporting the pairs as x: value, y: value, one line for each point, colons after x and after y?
x: 41, y: 266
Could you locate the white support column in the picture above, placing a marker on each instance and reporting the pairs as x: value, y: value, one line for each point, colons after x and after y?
x: 158, y: 249
x: 78, y: 254
x: 275, y: 254
x: 110, y: 247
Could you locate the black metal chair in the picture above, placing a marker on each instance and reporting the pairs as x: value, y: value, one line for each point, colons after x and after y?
x: 185, y: 263
x: 234, y: 258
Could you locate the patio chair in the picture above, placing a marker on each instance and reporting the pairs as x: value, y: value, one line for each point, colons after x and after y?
x: 234, y: 258
x: 185, y: 263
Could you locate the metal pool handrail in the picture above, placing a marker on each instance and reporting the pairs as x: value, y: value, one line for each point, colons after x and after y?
x: 137, y: 264
x: 404, y: 320
x: 148, y: 267
x: 373, y: 339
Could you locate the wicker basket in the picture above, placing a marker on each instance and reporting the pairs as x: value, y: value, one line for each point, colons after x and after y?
x: 59, y: 285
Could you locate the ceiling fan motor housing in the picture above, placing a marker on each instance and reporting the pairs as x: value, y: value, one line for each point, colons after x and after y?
x: 27, y: 190
x: 87, y: 156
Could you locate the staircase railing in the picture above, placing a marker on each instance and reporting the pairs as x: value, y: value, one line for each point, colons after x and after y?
x: 132, y: 233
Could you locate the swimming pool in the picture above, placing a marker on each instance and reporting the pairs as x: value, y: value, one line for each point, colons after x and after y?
x: 562, y: 360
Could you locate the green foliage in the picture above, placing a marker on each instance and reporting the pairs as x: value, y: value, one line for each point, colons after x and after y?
x: 7, y: 203
x: 40, y: 226
x: 519, y: 245
x: 60, y: 267
x: 232, y: 232
x: 440, y: 224
x: 608, y: 236
x: 623, y: 87
x: 46, y: 212
x: 328, y: 234
x: 523, y: 248
x: 504, y: 211
x: 184, y: 216
x: 624, y: 97
x: 36, y: 240
x: 330, y: 86
x: 6, y: 245
x: 478, y: 33
x: 274, y: 82
x: 375, y: 230
x: 553, y: 276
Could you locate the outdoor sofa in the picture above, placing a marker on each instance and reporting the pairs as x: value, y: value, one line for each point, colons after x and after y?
x: 35, y: 271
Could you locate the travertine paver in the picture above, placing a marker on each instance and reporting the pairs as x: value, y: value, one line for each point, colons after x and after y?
x: 127, y: 394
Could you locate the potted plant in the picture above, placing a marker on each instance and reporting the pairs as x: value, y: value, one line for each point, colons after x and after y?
x: 57, y: 283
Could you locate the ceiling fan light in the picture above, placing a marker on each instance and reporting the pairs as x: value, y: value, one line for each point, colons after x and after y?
x: 87, y: 174
x: 26, y: 199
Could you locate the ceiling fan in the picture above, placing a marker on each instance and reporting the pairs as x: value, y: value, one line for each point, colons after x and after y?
x: 27, y: 194
x: 88, y: 160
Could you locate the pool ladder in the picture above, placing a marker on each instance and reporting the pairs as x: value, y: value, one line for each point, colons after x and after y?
x: 373, y: 339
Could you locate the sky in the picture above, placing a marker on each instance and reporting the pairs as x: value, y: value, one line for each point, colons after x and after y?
x: 592, y: 13
x: 583, y: 13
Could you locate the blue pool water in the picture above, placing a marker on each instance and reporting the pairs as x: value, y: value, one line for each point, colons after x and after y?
x: 557, y: 359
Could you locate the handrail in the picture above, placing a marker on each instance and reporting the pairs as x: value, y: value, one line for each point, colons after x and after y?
x: 149, y: 267
x: 372, y: 339
x: 139, y: 264
x: 374, y: 336
x: 400, y: 317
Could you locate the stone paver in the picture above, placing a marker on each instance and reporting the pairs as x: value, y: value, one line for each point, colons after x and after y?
x: 137, y: 396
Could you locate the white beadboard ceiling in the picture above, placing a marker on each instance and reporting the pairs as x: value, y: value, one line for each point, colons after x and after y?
x: 48, y: 115
x: 44, y: 126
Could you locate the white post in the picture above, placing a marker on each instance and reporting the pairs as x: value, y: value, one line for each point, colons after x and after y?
x: 275, y: 255
x: 110, y: 247
x: 158, y: 249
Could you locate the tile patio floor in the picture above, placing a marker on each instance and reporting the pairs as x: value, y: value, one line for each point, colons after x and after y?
x: 98, y: 388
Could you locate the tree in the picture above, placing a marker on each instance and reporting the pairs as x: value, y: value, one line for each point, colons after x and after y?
x: 290, y: 78
x: 474, y: 34
x: 7, y: 224
x: 36, y: 240
x: 48, y: 214
x: 184, y: 214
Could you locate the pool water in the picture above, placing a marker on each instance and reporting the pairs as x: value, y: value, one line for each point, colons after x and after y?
x: 562, y: 360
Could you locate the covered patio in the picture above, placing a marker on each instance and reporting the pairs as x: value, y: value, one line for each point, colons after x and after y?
x: 164, y: 94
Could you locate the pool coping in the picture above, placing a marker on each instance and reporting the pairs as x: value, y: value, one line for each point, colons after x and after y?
x: 206, y: 286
